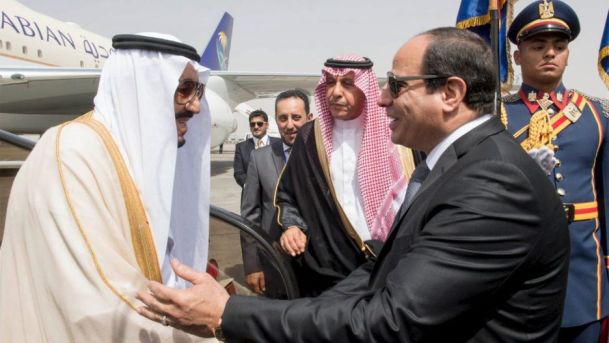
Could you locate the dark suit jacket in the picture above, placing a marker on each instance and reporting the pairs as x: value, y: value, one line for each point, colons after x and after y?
x: 257, y: 204
x: 480, y: 256
x: 242, y: 158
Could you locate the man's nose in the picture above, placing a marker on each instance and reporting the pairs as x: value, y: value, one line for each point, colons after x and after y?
x: 385, y: 99
x: 337, y: 90
x: 550, y: 52
x: 290, y: 123
x: 194, y: 105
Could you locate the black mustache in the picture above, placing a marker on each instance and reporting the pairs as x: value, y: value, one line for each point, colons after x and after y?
x: 184, y: 114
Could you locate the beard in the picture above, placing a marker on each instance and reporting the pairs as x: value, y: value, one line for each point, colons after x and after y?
x: 181, y: 115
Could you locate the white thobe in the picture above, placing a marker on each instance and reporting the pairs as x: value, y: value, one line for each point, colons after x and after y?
x: 52, y: 289
x: 346, y: 143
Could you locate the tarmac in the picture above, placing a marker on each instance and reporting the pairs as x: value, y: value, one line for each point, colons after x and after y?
x: 225, y: 192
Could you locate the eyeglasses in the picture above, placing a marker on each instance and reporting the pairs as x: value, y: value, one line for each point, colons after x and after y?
x: 257, y: 124
x: 187, y: 91
x: 397, y: 82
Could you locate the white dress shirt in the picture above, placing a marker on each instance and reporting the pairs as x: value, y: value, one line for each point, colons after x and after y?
x: 346, y: 143
x: 264, y: 139
x: 438, y: 150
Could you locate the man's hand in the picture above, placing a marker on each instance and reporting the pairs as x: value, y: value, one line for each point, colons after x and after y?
x: 197, y: 310
x: 293, y: 241
x: 256, y: 282
x: 544, y: 157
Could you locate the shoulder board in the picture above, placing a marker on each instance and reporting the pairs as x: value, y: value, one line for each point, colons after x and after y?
x: 510, y: 98
x: 604, y: 103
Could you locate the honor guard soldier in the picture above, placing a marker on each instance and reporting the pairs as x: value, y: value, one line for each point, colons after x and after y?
x: 550, y: 120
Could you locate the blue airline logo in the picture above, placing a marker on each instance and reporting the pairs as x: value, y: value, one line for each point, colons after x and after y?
x: 217, y: 52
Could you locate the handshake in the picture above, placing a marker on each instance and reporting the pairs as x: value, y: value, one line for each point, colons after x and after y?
x: 544, y: 157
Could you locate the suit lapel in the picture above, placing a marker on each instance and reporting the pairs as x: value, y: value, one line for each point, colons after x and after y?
x: 251, y: 146
x: 278, y: 155
x: 448, y: 158
x: 452, y: 154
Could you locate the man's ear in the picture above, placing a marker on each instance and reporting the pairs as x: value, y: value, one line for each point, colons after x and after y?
x: 517, y: 57
x: 454, y: 92
x: 309, y: 116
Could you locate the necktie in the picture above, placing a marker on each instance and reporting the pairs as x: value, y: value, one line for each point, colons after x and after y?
x: 260, y: 144
x: 286, y: 153
x: 417, y: 178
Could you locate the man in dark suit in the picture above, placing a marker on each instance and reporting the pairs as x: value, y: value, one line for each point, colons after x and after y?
x: 259, y: 124
x: 478, y: 254
x: 291, y: 112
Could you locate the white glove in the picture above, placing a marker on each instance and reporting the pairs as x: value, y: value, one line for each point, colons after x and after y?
x: 544, y: 157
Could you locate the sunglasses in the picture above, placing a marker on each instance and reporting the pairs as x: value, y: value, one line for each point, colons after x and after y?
x: 397, y: 82
x: 188, y: 90
x: 257, y: 124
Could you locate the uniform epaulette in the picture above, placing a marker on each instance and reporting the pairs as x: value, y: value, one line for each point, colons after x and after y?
x: 603, y: 102
x: 510, y: 98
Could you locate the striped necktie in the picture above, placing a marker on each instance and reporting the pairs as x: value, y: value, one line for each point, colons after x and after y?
x: 418, y: 176
x: 286, y: 153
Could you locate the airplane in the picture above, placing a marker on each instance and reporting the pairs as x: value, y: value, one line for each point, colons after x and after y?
x: 55, y: 66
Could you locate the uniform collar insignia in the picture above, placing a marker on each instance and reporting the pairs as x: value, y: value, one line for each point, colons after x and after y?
x: 532, y: 96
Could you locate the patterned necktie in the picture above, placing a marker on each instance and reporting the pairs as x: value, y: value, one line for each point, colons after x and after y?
x: 417, y: 178
x: 260, y: 144
x: 286, y: 153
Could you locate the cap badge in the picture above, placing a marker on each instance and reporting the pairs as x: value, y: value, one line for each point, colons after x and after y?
x: 546, y: 10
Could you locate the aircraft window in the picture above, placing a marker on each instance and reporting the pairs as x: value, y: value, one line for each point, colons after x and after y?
x: 1, y: 44
x: 24, y: 50
x: 39, y: 53
x: 227, y: 233
x: 82, y: 64
x: 8, y: 45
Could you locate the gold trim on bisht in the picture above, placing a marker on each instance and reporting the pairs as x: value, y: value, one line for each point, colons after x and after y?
x: 325, y: 166
x: 141, y: 234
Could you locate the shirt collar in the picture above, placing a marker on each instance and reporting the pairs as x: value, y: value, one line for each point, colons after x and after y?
x: 264, y: 138
x: 438, y: 150
x: 356, y: 124
x: 529, y: 96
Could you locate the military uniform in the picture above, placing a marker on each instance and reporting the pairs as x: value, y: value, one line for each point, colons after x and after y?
x: 575, y: 126
x: 581, y: 144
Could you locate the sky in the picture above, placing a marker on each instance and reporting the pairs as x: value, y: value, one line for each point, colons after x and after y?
x: 298, y: 36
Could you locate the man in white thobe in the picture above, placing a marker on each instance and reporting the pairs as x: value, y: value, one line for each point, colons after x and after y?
x: 103, y: 203
x: 344, y: 182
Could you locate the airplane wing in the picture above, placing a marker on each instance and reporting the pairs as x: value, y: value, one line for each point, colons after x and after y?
x: 250, y: 85
x: 34, y: 99
x: 244, y: 86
